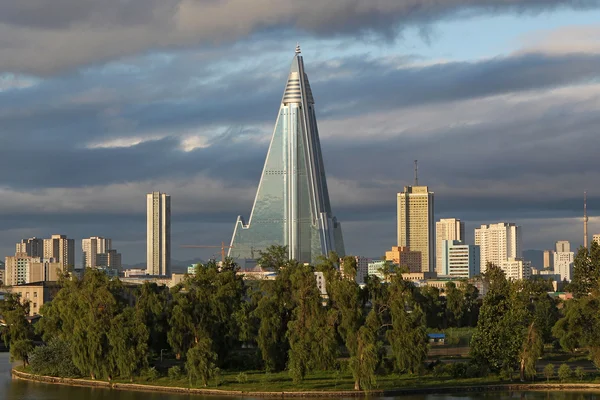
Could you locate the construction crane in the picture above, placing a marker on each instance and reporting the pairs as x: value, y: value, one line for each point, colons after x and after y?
x: 222, y: 246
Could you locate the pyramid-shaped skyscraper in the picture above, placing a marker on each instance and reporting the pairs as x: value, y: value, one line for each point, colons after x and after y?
x: 292, y: 206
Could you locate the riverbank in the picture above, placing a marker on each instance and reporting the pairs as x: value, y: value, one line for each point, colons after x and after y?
x: 509, y: 387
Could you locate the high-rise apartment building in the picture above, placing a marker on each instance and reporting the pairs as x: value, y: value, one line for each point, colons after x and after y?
x: 61, y: 250
x: 563, y: 260
x: 158, y: 234
x: 292, y: 206
x: 459, y: 260
x: 498, y: 243
x: 446, y: 229
x: 596, y: 238
x: 98, y: 252
x: 416, y: 225
x: 34, y: 247
x: 404, y: 257
x: 109, y: 259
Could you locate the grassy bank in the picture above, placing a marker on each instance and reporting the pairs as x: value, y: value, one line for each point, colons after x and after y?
x: 259, y: 381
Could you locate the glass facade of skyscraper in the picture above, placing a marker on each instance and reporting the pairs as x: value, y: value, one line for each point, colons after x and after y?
x: 292, y: 205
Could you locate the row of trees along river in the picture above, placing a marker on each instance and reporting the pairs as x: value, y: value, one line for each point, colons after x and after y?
x: 215, y: 321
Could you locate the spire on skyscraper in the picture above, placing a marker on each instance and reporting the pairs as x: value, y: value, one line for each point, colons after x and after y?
x: 585, y: 221
x: 292, y: 205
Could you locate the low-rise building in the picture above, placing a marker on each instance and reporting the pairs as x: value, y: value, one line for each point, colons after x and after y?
x: 36, y: 293
x: 376, y: 268
x: 404, y: 257
x: 516, y: 268
x: 459, y: 260
x: 418, y: 276
x: 128, y: 273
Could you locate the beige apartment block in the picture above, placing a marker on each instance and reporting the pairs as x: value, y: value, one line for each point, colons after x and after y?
x: 40, y: 271
x: 596, y: 238
x: 61, y: 249
x: 548, y: 259
x: 446, y: 229
x: 22, y: 269
x: 17, y: 269
x: 404, y: 257
x: 416, y: 225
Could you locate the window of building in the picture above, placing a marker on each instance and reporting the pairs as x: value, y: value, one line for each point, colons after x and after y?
x: 34, y: 294
x: 34, y: 305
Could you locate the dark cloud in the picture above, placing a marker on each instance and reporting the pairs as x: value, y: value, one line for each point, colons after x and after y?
x: 94, y: 107
x: 45, y: 38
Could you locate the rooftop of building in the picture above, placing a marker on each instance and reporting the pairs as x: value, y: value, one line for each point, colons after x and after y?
x: 37, y: 284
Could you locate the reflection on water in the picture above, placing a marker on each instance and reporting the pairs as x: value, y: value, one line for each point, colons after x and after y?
x: 23, y: 390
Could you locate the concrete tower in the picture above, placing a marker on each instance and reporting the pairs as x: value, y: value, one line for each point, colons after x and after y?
x: 158, y: 234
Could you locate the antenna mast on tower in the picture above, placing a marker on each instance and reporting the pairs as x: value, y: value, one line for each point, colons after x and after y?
x: 585, y: 221
x: 416, y: 173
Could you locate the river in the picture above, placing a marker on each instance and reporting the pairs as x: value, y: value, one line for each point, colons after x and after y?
x: 24, y: 390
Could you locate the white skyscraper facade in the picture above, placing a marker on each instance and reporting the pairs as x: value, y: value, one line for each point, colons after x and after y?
x: 416, y: 225
x: 459, y: 260
x: 498, y: 243
x: 98, y: 252
x: 446, y: 229
x: 563, y: 260
x: 158, y: 234
x: 91, y: 247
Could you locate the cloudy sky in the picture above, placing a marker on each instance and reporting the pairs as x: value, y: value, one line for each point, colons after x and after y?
x: 104, y: 101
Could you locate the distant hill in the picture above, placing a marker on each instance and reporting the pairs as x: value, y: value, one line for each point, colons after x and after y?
x: 536, y: 257
x: 177, y: 266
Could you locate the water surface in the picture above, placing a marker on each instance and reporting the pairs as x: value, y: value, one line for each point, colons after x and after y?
x: 24, y: 390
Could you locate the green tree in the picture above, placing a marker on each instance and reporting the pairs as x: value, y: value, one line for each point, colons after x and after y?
x: 16, y: 331
x: 455, y: 305
x: 580, y: 373
x: 273, y: 258
x: 549, y: 372
x: 274, y: 311
x: 430, y: 301
x: 580, y: 326
x: 151, y: 304
x: 311, y: 330
x: 501, y: 328
x: 366, y: 357
x: 204, y: 305
x: 408, y: 333
x: 201, y: 361
x: 531, y: 350
x: 53, y: 359
x: 564, y: 372
x: 586, y: 270
x: 81, y: 314
x: 128, y: 340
